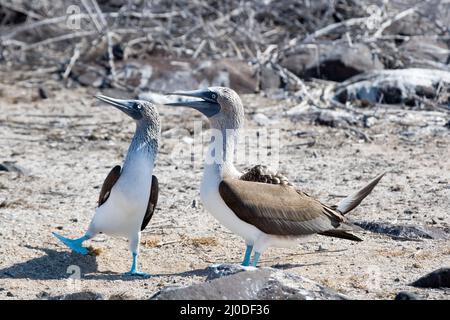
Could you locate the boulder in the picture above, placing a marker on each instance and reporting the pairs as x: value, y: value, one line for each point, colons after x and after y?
x: 404, y: 232
x: 161, y: 74
x: 332, y: 63
x: 226, y: 282
x: 437, y: 279
x: 396, y: 86
x: 419, y: 52
x: 403, y: 295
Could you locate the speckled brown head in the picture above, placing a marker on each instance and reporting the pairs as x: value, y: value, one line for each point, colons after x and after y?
x: 221, y: 105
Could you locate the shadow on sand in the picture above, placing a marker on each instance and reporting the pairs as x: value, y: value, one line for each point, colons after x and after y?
x: 55, y: 265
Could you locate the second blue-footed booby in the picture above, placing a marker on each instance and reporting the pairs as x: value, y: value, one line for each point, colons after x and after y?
x: 129, y: 195
x: 260, y: 206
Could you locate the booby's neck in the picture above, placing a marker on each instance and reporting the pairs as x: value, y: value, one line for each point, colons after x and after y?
x: 222, y: 149
x: 144, y: 145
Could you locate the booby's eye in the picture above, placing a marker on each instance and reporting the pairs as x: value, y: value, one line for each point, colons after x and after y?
x: 214, y: 96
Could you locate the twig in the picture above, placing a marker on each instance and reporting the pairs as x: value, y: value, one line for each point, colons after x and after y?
x: 73, y: 59
x: 397, y: 17
x: 332, y: 27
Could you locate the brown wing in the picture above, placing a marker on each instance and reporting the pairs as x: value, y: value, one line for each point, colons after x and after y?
x: 153, y: 200
x: 278, y: 209
x: 109, y: 182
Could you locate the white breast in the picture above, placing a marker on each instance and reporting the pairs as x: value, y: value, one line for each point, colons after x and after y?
x: 123, y: 212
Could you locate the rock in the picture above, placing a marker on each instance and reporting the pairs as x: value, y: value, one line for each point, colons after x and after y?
x: 121, y: 296
x: 226, y: 282
x: 11, y: 167
x: 437, y: 279
x: 43, y: 295
x: 136, y: 75
x: 89, y: 78
x: 418, y: 52
x: 403, y: 295
x: 369, y: 121
x: 332, y: 63
x: 404, y: 232
x: 269, y: 79
x: 396, y: 86
x: 42, y: 91
x: 335, y: 118
x: 83, y: 295
x: 182, y: 74
x: 262, y: 120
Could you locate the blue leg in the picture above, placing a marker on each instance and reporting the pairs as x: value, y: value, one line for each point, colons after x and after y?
x: 256, y: 258
x: 75, y: 244
x: 133, y: 271
x: 248, y: 253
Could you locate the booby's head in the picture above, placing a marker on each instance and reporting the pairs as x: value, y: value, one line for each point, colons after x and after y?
x: 144, y: 114
x: 221, y: 105
x: 141, y: 111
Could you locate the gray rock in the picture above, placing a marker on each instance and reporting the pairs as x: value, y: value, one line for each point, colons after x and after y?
x: 419, y: 51
x: 90, y: 78
x: 269, y: 79
x: 336, y: 118
x: 396, y: 86
x: 404, y: 232
x: 168, y: 75
x: 226, y: 282
x: 262, y: 120
x: 403, y: 295
x: 437, y: 279
x: 11, y: 167
x: 332, y: 63
x: 83, y: 295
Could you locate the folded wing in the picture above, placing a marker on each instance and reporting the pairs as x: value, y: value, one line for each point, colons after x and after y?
x: 153, y: 200
x: 278, y: 209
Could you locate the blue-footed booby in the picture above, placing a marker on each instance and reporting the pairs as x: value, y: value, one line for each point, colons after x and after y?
x: 129, y: 195
x: 260, y: 206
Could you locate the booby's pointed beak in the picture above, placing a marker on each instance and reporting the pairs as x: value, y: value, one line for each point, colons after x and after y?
x: 208, y: 105
x: 130, y: 107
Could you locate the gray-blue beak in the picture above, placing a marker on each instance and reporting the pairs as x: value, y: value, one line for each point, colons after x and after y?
x: 130, y: 107
x: 208, y: 105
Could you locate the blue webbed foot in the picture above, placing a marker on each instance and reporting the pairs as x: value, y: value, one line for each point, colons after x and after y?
x: 138, y: 274
x: 74, y: 244
x: 133, y: 271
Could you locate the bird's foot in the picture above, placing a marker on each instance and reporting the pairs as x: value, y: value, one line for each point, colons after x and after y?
x: 138, y: 274
x: 248, y: 268
x: 74, y: 244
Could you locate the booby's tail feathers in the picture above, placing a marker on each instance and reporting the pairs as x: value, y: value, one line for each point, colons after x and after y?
x: 353, y: 200
x: 340, y: 234
x: 74, y: 244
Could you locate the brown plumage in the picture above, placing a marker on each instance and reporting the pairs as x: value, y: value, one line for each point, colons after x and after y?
x: 154, y: 192
x: 268, y: 201
x: 111, y: 180
x: 263, y: 174
x: 278, y: 209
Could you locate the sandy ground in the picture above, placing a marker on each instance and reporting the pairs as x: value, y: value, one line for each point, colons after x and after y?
x: 68, y: 143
